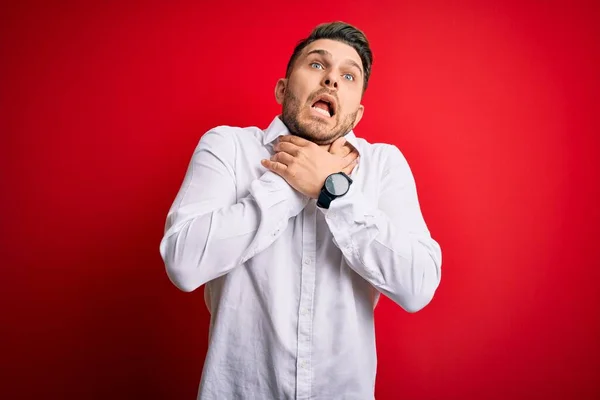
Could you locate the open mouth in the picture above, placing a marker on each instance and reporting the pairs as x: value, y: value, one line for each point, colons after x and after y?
x: 324, y: 105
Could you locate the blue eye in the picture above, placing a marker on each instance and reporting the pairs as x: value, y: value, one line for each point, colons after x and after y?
x: 349, y: 77
x: 318, y: 66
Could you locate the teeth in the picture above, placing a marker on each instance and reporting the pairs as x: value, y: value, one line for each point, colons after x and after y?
x: 325, y: 113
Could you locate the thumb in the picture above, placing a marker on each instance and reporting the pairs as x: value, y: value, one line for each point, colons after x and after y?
x: 350, y: 167
x: 351, y: 157
x: 337, y: 145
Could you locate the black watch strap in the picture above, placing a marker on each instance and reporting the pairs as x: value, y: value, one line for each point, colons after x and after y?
x: 324, y: 199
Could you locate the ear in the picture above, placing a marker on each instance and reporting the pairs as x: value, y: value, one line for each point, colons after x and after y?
x: 280, y: 88
x: 359, y: 115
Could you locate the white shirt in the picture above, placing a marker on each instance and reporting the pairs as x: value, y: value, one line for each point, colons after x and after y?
x: 291, y: 287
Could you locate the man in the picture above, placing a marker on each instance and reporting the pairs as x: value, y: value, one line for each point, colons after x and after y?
x: 296, y: 230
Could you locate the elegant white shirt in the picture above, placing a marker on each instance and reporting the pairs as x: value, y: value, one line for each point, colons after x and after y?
x: 291, y: 288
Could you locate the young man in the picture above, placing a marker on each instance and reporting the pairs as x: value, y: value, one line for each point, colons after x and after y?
x: 295, y: 238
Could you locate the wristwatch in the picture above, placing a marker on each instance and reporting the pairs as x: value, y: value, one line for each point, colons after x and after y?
x: 336, y: 185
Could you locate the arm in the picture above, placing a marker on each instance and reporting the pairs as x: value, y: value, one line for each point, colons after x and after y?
x: 207, y: 231
x: 389, y: 244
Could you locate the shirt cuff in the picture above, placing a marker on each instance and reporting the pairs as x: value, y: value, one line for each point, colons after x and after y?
x: 350, y: 208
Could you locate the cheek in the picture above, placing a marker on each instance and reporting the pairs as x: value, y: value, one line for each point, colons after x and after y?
x: 300, y: 87
x: 350, y: 105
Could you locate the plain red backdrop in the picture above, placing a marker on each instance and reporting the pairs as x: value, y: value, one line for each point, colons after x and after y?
x: 494, y: 104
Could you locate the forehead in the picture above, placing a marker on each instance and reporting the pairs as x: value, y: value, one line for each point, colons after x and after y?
x: 339, y: 51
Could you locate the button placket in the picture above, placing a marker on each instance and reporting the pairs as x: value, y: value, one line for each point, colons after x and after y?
x: 307, y: 290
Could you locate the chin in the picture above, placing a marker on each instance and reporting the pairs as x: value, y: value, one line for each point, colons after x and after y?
x: 318, y: 130
x: 315, y: 128
x: 319, y: 136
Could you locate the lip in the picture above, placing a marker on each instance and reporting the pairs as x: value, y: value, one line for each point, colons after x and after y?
x: 329, y: 99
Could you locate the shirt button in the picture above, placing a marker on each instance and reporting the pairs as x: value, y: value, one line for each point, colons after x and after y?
x: 304, y: 311
x: 307, y: 261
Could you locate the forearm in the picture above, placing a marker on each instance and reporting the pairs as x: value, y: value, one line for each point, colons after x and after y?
x: 401, y: 261
x: 201, y: 244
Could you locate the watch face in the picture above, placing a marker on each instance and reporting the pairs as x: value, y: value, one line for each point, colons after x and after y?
x: 337, y: 184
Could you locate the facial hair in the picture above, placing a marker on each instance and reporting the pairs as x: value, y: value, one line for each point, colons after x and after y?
x: 315, y: 131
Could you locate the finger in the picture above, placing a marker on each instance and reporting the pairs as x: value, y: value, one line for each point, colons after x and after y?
x: 283, y: 158
x: 345, y: 150
x: 274, y: 166
x: 350, y: 157
x: 337, y: 145
x: 287, y: 147
x: 350, y: 167
x: 297, y: 140
x: 341, y: 152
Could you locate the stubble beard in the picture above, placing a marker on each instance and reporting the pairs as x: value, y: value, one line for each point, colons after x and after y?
x: 315, y: 131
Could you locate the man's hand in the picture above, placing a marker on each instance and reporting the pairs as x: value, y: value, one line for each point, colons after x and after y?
x: 340, y: 148
x: 305, y: 165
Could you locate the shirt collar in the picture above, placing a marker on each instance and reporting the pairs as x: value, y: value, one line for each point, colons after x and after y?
x: 277, y: 128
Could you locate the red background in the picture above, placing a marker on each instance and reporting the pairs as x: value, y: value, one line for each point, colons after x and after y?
x: 494, y: 105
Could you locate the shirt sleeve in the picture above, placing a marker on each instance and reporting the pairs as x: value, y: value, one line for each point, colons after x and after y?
x: 208, y: 231
x: 388, y: 243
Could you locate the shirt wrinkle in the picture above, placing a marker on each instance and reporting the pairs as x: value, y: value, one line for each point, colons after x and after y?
x: 292, y: 287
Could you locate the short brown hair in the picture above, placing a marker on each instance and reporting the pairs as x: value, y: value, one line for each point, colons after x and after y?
x: 342, y: 32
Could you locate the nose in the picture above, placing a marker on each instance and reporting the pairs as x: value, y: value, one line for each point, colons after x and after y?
x: 330, y: 82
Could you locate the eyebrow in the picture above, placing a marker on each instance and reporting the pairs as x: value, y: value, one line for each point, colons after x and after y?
x: 325, y: 53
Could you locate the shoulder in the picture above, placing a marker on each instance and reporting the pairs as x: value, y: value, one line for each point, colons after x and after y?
x: 229, y: 138
x: 232, y: 133
x: 385, y: 154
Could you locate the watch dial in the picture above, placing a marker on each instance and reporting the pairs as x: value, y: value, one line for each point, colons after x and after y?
x: 337, y: 184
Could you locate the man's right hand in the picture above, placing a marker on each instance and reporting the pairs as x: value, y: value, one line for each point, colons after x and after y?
x: 341, y: 148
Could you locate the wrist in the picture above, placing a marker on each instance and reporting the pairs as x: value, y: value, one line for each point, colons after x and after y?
x: 320, y: 184
x: 336, y: 185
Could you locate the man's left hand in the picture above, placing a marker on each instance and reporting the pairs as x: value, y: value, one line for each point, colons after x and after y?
x: 305, y: 165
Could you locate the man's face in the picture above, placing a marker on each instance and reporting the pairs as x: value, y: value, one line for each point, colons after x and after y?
x: 321, y: 97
